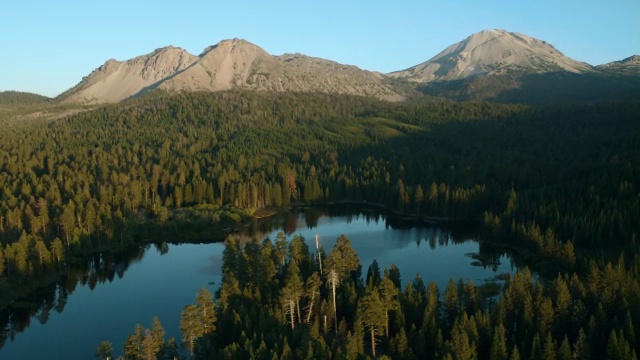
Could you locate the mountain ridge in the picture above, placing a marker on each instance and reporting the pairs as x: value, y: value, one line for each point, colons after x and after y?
x: 626, y: 66
x: 228, y: 64
x: 505, y: 59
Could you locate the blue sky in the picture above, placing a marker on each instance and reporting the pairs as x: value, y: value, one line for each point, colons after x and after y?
x: 48, y: 46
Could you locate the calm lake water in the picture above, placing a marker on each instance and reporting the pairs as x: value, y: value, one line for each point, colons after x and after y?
x: 105, y: 299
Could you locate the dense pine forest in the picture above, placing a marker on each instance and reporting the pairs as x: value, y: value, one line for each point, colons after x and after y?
x: 560, y: 185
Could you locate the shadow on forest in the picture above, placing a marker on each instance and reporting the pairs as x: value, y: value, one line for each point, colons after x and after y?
x: 549, y: 88
x: 534, y: 150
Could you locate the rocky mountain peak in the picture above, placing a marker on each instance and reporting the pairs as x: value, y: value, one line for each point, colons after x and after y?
x: 490, y: 52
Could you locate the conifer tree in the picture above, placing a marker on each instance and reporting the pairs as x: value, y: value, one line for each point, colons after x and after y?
x: 191, y: 327
x: 373, y: 315
x: 499, y: 344
x: 291, y: 293
x: 133, y: 344
x: 206, y: 309
x: 389, y: 295
x: 104, y: 350
x: 313, y: 291
x: 333, y: 281
x: 343, y: 258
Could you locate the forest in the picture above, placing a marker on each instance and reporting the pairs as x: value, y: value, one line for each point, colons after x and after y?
x: 558, y: 184
x: 278, y: 300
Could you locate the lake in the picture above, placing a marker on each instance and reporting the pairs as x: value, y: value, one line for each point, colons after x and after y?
x: 105, y: 298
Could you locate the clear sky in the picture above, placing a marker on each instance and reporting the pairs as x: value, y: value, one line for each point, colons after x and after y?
x: 47, y: 46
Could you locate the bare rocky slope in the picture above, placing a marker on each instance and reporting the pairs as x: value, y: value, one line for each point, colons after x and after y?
x: 492, y: 52
x: 229, y: 64
x: 489, y: 65
x: 118, y: 80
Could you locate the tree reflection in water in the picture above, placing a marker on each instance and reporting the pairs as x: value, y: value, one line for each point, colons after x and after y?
x: 92, y: 271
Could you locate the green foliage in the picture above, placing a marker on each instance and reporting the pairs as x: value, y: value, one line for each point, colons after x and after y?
x: 550, y: 87
x: 343, y: 259
x: 104, y: 350
x: 380, y: 320
x: 558, y: 185
x: 374, y: 316
x: 175, y: 167
x: 17, y: 98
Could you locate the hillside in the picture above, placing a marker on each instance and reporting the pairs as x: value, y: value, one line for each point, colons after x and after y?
x: 229, y: 64
x: 18, y: 98
x: 191, y: 166
x: 627, y: 66
x: 118, y: 80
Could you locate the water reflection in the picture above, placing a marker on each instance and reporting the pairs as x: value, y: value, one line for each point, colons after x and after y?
x: 163, y: 285
x: 95, y: 270
x: 292, y: 222
x: 436, y: 252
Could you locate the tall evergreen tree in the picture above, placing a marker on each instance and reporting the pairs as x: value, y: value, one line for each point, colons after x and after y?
x: 373, y: 316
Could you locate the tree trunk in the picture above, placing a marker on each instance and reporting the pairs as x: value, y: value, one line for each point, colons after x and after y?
x: 386, y: 315
x: 373, y: 342
x: 204, y: 316
x: 335, y: 311
x: 191, y: 345
x: 292, y: 313
x: 319, y: 254
x: 298, y: 308
x: 313, y: 296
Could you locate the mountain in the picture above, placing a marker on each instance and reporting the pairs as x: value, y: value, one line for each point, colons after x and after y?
x: 628, y: 66
x: 502, y: 66
x: 493, y: 65
x: 117, y: 80
x: 492, y: 52
x: 230, y: 64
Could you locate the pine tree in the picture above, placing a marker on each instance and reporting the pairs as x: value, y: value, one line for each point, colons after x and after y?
x: 313, y: 291
x: 564, y: 352
x: 515, y: 354
x: 157, y: 333
x: 148, y: 348
x: 343, y: 258
x: 293, y: 291
x: 190, y: 326
x: 68, y: 221
x: 419, y: 198
x: 206, y: 309
x: 389, y: 294
x: 133, y: 344
x: 581, y: 347
x: 373, y: 274
x: 536, y: 348
x: 281, y: 248
x: 461, y: 346
x: 104, y: 350
x: 549, y: 350
x: 499, y: 344
x: 373, y: 315
x: 333, y: 281
x: 451, y: 301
